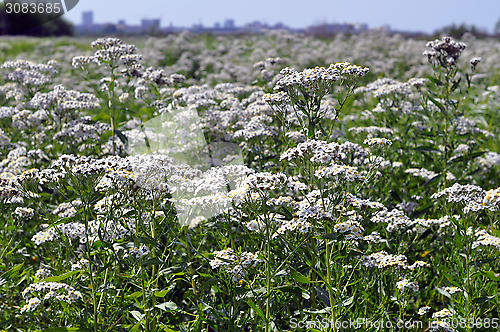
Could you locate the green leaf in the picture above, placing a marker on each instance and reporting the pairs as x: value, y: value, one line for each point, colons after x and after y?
x: 437, y: 103
x: 430, y: 148
x: 122, y: 137
x: 288, y: 215
x: 134, y: 295
x: 257, y: 310
x: 300, y: 277
x: 104, y: 288
x: 12, y: 272
x: 167, y: 306
x: 346, y: 302
x: 329, y: 236
x: 421, y: 210
x: 323, y: 295
x: 455, y: 85
x: 162, y: 293
x: 466, y: 157
x: 434, y: 80
x: 137, y: 315
x: 434, y: 179
x: 62, y: 276
x: 480, y: 262
x: 321, y: 311
x: 492, y: 275
x: 147, y: 240
x: 483, y: 299
x: 153, y: 261
x: 281, y: 273
x: 136, y: 327
x: 289, y: 289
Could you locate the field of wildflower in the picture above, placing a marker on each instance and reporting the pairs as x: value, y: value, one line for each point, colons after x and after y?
x: 272, y: 182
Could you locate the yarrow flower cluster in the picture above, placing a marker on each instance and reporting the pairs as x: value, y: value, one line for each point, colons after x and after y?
x: 352, y: 227
x: 278, y: 98
x: 67, y: 209
x: 383, y: 260
x: 42, y: 273
x: 24, y: 212
x: 349, y: 173
x: 316, y: 151
x: 317, y: 80
x: 453, y: 290
x: 491, y: 199
x: 81, y: 264
x: 138, y: 251
x: 101, y: 228
x: 376, y: 141
x: 422, y: 172
x: 108, y: 50
x: 474, y: 62
x: 29, y: 73
x: 459, y: 193
x: 61, y: 100
x: 445, y: 313
x: 385, y: 87
x: 473, y: 197
x: 238, y: 265
x: 49, y: 290
x: 404, y: 284
x: 444, y: 51
x: 485, y: 239
x: 371, y: 130
x: 298, y: 223
x: 423, y: 310
x: 395, y: 219
x: 360, y: 203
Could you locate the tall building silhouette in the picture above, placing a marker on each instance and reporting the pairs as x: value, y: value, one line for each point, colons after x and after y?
x: 88, y: 18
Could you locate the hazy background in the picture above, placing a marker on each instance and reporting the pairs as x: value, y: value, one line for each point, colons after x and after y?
x: 404, y: 15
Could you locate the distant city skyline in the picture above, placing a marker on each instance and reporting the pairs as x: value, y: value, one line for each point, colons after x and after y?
x: 423, y: 15
x: 88, y: 26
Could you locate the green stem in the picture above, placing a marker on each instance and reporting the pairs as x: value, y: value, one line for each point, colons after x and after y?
x: 91, y: 276
x: 268, y: 287
x: 329, y: 283
x: 144, y: 303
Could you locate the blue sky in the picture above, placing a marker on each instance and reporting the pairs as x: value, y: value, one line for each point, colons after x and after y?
x: 413, y: 15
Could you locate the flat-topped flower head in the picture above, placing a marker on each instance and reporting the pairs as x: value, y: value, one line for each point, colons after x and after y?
x: 278, y: 98
x: 318, y: 80
x: 445, y: 313
x: 404, y: 284
x: 377, y: 141
x: 444, y: 51
x: 423, y: 310
x: 237, y: 264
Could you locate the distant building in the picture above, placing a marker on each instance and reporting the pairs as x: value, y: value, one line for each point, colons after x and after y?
x: 150, y: 24
x: 362, y: 27
x: 121, y: 26
x: 88, y: 18
x: 254, y: 27
x: 329, y: 29
x: 229, y: 25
